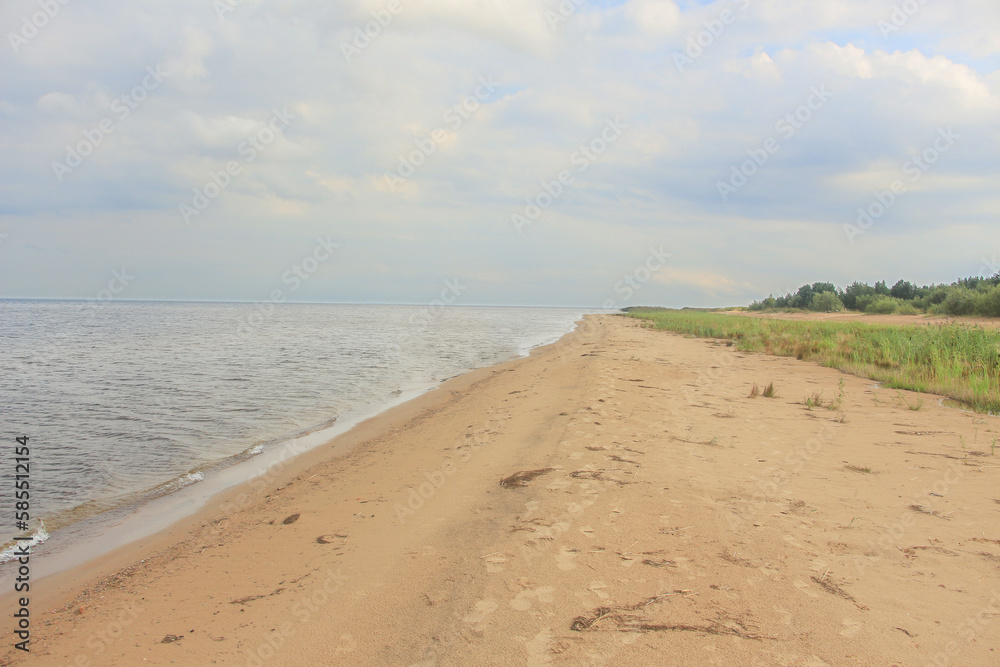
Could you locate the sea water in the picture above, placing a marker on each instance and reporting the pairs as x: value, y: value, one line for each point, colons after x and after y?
x: 126, y: 402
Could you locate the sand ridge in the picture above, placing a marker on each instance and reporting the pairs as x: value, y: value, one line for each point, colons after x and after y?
x: 651, y: 514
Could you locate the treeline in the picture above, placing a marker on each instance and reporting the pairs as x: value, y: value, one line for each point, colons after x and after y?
x: 969, y: 296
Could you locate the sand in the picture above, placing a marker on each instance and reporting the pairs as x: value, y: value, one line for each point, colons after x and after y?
x: 651, y: 513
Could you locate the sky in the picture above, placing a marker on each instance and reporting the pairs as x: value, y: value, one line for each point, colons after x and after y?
x: 504, y: 152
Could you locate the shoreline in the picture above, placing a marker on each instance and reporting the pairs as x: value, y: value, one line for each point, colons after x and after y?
x: 144, y: 514
x: 614, y: 498
x: 209, y: 500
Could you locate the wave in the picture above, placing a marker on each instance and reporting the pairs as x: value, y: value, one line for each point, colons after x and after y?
x: 10, y: 552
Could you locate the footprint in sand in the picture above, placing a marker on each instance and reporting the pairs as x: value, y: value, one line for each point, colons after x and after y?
x: 494, y: 562
x: 851, y: 628
x: 483, y: 609
x: 347, y: 644
x: 523, y: 600
x: 565, y: 558
x: 806, y: 588
x: 818, y: 565
x: 538, y: 649
x: 786, y: 617
x: 597, y: 588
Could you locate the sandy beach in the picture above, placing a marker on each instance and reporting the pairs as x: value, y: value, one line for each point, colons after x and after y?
x: 617, y: 498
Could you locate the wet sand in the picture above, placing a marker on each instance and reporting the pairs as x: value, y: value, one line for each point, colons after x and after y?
x: 615, y: 499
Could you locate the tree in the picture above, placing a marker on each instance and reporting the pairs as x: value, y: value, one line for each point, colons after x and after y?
x: 904, y: 290
x: 819, y: 288
x: 854, y: 291
x: 803, y: 297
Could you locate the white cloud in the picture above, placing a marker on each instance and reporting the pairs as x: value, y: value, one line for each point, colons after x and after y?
x: 59, y: 104
x: 655, y: 17
x: 656, y: 184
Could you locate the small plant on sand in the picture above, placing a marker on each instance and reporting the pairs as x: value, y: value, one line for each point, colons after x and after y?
x: 814, y: 401
x: 916, y: 405
x: 864, y: 469
x: 835, y: 405
x: 769, y: 391
x: 755, y: 392
x: 993, y: 447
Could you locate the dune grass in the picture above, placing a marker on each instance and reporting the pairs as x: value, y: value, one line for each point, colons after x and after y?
x: 959, y: 361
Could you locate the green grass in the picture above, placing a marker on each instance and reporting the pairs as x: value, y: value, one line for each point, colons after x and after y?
x: 959, y: 361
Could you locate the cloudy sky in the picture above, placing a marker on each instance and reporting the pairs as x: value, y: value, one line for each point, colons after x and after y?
x: 585, y: 153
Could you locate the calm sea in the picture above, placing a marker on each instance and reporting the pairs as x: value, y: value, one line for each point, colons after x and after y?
x: 127, y: 402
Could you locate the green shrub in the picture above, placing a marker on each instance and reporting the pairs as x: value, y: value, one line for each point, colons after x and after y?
x: 907, y: 309
x: 826, y: 302
x: 883, y: 305
x: 862, y: 301
x: 960, y: 301
x: 989, y: 305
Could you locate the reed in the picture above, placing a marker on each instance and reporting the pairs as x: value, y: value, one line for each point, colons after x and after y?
x: 959, y: 361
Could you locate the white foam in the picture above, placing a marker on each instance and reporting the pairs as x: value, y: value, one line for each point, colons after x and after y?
x: 192, y: 478
x: 39, y: 536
